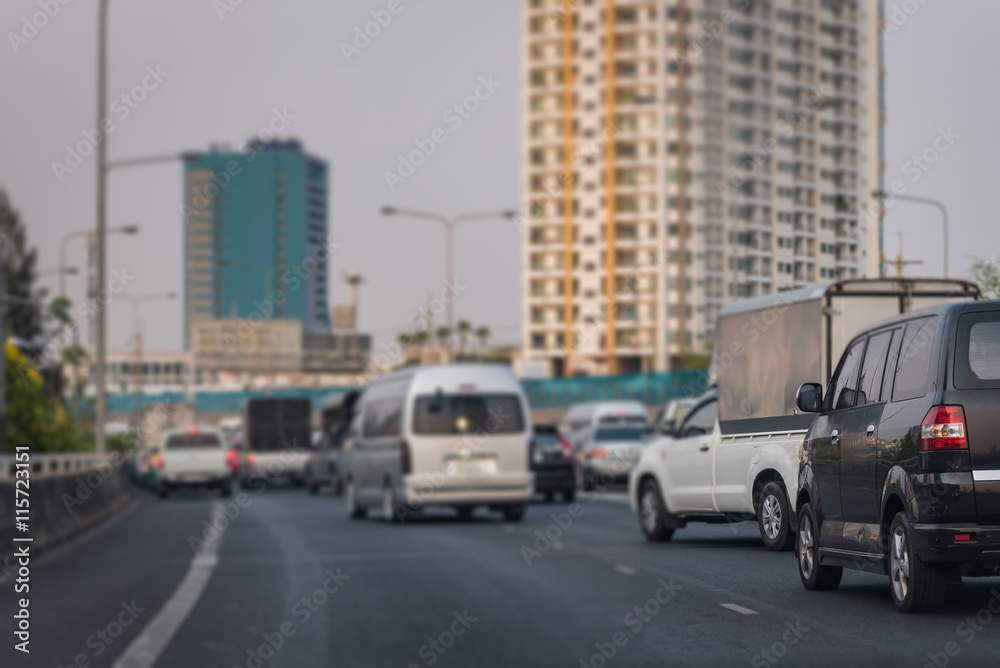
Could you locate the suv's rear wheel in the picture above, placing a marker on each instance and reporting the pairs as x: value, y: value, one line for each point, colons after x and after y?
x: 917, y: 586
x: 653, y: 513
x: 773, y: 518
x: 814, y: 576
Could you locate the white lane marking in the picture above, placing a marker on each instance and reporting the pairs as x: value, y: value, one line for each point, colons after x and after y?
x: 738, y: 608
x: 625, y: 570
x: 154, y: 638
x: 614, y: 497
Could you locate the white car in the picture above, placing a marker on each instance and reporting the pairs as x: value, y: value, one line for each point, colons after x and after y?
x: 702, y: 475
x: 192, y: 457
x: 451, y: 435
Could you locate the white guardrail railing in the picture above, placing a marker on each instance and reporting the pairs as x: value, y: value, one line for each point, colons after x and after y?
x: 49, y: 465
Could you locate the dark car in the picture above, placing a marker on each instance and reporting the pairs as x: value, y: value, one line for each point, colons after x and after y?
x: 552, y: 463
x: 900, y: 471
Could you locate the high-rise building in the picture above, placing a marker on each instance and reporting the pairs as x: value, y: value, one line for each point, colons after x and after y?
x: 680, y: 154
x: 256, y: 245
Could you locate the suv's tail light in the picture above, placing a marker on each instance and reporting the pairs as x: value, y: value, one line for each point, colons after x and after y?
x: 567, y: 447
x: 944, y: 429
x: 406, y: 459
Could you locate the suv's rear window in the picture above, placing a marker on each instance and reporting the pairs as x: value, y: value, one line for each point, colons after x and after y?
x: 448, y: 414
x: 200, y: 440
x: 984, y: 350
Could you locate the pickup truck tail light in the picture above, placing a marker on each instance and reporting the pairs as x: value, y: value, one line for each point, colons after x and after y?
x: 944, y: 429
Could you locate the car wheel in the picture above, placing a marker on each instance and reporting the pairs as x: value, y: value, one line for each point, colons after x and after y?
x: 465, y: 512
x: 514, y: 513
x: 550, y: 497
x: 311, y: 485
x: 354, y: 511
x: 569, y: 495
x: 917, y: 586
x: 813, y: 575
x: 163, y: 491
x: 653, y: 513
x: 391, y: 511
x: 226, y: 489
x: 773, y: 518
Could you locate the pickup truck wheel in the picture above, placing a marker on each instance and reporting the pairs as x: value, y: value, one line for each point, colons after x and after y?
x: 917, y: 586
x: 354, y: 511
x: 653, y: 513
x: 813, y: 575
x: 514, y: 513
x: 773, y: 518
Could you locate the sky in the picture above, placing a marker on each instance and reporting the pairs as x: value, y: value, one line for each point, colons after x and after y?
x: 225, y: 68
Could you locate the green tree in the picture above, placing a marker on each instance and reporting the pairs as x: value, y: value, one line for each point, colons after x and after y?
x: 34, y: 418
x: 23, y: 319
x: 483, y: 334
x: 443, y: 334
x: 986, y: 275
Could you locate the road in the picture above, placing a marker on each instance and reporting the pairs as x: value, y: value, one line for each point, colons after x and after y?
x: 292, y: 582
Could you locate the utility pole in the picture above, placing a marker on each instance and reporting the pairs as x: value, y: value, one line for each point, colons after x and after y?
x: 899, y: 262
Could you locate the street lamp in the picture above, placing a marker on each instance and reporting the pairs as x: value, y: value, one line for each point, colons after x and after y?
x: 449, y: 226
x: 137, y: 378
x: 884, y: 195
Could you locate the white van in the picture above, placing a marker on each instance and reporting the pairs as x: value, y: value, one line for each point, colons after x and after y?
x: 452, y: 435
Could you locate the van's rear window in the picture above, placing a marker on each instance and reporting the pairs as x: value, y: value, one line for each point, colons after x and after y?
x: 441, y: 415
x: 203, y: 440
x: 984, y: 350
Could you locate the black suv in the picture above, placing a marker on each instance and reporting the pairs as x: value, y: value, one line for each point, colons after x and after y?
x: 900, y: 471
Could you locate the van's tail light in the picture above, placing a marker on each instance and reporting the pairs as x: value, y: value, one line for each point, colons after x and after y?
x: 407, y: 460
x: 567, y: 448
x: 597, y: 453
x: 944, y: 429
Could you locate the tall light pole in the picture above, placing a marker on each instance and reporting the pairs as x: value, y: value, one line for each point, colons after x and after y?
x: 883, y: 195
x: 101, y: 232
x: 137, y: 378
x: 449, y: 226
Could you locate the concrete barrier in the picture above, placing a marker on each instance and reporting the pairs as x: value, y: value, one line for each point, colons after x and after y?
x: 67, y: 496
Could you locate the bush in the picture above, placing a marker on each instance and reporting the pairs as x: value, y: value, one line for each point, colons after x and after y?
x: 34, y: 418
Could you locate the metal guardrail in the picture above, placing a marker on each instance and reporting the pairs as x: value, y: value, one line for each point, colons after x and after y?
x: 51, y: 465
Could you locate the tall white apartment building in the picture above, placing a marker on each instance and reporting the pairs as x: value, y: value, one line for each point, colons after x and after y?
x: 680, y: 154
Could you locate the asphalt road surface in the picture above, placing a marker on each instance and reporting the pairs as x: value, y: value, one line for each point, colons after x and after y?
x: 292, y: 582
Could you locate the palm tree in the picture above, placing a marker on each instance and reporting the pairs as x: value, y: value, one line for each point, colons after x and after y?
x: 483, y: 333
x: 419, y: 337
x: 443, y: 334
x: 463, y: 327
x: 404, y: 339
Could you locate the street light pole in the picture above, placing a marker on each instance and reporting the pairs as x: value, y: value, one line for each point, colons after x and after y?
x: 101, y: 232
x: 449, y: 227
x: 884, y: 195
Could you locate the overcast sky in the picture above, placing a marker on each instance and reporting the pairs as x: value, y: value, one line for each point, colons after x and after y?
x: 225, y: 76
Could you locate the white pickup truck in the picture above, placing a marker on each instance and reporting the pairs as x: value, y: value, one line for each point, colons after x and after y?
x: 192, y: 457
x: 736, y: 454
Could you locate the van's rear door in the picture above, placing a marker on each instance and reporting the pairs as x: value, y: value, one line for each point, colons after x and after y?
x: 977, y: 391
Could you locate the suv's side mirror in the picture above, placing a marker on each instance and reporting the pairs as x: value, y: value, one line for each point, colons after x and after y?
x: 809, y: 398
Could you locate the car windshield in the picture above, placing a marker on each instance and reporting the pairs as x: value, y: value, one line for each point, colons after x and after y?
x: 445, y: 414
x: 605, y: 434
x: 194, y: 440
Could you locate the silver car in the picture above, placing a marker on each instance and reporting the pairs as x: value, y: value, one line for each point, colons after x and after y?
x: 607, y: 454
